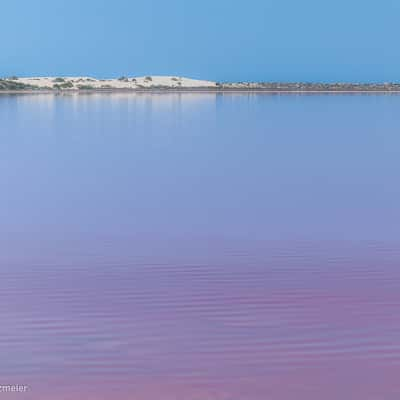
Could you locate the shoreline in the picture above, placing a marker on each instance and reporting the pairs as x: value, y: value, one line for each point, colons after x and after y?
x: 178, y: 84
x: 193, y: 90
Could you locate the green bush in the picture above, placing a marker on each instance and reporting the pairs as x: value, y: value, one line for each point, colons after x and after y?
x: 86, y: 87
x: 59, y: 80
x: 65, y: 85
x: 12, y: 85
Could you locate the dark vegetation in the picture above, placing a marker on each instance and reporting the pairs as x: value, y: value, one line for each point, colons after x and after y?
x: 86, y: 87
x: 64, y: 85
x: 311, y: 87
x: 6, y: 84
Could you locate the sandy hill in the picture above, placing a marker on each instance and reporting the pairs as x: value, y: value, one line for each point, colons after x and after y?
x: 81, y: 82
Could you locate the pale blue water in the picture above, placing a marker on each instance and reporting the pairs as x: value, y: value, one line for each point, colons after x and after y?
x: 200, y: 246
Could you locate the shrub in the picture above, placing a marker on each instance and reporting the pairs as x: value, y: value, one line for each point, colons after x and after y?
x: 123, y: 79
x: 59, y: 80
x: 148, y: 78
x: 85, y: 87
x: 65, y: 85
x: 12, y: 85
x: 159, y: 87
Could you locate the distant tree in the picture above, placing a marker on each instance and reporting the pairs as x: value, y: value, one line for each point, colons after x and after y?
x: 67, y: 85
x: 85, y: 87
x: 6, y: 84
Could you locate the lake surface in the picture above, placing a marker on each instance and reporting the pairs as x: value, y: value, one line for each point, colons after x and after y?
x: 200, y: 246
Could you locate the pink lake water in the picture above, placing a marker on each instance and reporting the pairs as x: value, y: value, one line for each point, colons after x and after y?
x: 200, y: 246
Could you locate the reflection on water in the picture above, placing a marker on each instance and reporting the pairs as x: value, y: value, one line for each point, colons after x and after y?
x: 200, y: 246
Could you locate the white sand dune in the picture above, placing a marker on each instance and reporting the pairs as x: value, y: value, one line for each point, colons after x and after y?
x: 83, y: 82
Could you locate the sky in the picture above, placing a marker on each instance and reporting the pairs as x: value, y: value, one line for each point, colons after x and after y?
x: 222, y: 40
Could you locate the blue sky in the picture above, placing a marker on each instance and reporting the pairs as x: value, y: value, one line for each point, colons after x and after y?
x: 285, y: 40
